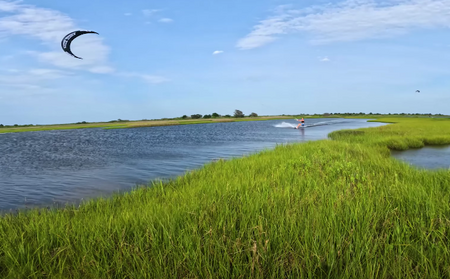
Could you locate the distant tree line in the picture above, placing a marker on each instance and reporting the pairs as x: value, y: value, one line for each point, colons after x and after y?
x: 15, y: 125
x: 237, y: 114
x: 240, y: 114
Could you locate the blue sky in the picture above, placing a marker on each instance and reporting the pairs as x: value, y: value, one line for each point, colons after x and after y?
x: 168, y: 58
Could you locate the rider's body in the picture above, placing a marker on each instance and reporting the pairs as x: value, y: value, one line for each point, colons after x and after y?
x: 302, y: 122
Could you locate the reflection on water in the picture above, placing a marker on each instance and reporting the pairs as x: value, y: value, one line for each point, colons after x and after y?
x: 40, y: 168
x: 429, y: 157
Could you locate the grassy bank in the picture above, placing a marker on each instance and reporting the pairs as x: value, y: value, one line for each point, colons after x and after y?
x: 134, y: 124
x: 326, y: 209
x: 409, y: 133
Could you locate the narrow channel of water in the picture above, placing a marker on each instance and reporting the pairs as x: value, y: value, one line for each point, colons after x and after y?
x: 428, y: 157
x: 47, y: 167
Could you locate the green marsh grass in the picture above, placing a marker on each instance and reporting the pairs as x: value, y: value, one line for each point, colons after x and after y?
x: 338, y: 208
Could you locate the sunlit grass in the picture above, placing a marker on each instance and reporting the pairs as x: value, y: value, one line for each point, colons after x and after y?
x: 408, y: 133
x: 334, y: 209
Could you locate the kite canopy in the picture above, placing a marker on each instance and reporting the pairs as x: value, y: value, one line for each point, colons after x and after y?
x: 417, y: 91
x: 67, y: 40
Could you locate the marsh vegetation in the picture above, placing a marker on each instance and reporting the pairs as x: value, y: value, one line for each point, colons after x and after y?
x: 340, y: 208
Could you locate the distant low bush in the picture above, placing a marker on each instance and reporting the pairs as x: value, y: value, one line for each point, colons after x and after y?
x: 238, y: 114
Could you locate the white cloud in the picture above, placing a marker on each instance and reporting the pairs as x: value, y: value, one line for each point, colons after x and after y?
x: 7, y: 6
x: 31, y: 79
x: 150, y: 12
x: 324, y: 59
x: 50, y: 26
x: 217, y: 52
x: 153, y: 79
x: 350, y: 20
x: 127, y: 14
x: 166, y: 20
x: 48, y: 73
x: 102, y: 70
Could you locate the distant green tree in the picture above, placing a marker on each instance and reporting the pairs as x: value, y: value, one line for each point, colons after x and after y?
x: 1, y: 126
x: 238, y: 114
x: 215, y: 115
x: 184, y: 116
x: 253, y: 114
x: 15, y: 125
x: 227, y: 115
x: 207, y: 116
x: 196, y: 116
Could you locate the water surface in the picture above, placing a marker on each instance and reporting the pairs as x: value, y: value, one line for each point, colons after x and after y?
x: 428, y: 157
x: 46, y: 167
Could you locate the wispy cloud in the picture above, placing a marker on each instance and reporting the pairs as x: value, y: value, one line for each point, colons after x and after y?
x: 31, y: 79
x: 166, y: 20
x: 49, y: 27
x: 217, y: 52
x: 153, y: 79
x: 7, y: 6
x: 324, y: 59
x: 127, y: 14
x: 350, y: 20
x: 150, y: 12
x: 48, y: 73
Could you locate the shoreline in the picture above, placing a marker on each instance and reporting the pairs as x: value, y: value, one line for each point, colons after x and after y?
x: 126, y: 124
x: 133, y: 124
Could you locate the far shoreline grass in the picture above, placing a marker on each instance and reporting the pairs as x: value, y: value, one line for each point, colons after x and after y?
x: 125, y: 124
x: 134, y: 124
x: 339, y: 208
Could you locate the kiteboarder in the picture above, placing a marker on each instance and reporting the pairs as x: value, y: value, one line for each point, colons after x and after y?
x: 302, y: 122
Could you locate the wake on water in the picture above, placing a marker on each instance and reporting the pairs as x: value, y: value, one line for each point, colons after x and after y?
x: 290, y: 125
x: 285, y: 125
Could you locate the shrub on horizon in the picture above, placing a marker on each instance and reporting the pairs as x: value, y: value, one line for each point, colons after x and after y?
x: 238, y: 114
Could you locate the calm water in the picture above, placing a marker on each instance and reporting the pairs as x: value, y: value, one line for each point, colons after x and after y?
x: 48, y: 167
x: 426, y: 157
